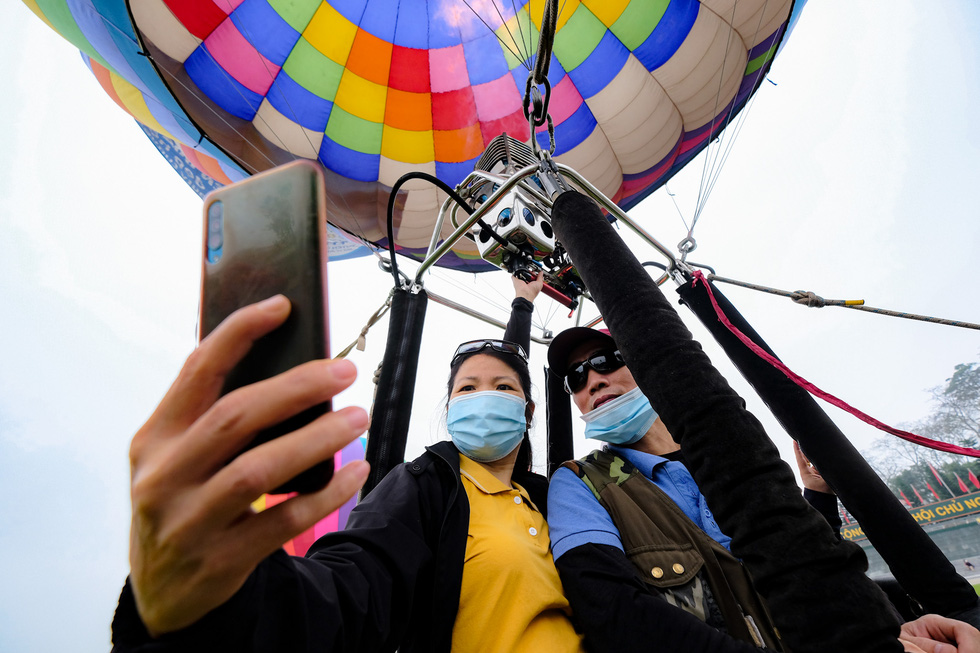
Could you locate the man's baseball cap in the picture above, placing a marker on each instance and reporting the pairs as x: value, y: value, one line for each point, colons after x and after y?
x: 564, y: 344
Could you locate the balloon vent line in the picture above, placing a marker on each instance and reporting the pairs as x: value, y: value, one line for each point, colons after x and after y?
x: 813, y: 300
x: 726, y: 141
x: 826, y: 396
x: 520, y: 55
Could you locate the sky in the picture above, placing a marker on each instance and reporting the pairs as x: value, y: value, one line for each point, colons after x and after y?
x: 853, y: 176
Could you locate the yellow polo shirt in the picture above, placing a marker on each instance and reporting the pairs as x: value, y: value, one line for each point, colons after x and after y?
x: 511, y: 598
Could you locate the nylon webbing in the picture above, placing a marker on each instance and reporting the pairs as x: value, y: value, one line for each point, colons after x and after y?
x: 826, y: 396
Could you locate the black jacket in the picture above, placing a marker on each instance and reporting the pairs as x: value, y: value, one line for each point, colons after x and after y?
x: 390, y: 580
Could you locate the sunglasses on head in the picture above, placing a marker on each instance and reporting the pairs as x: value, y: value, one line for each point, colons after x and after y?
x: 475, y: 346
x: 603, y: 362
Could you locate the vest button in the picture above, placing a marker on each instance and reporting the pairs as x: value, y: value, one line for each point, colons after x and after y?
x: 657, y: 572
x: 678, y: 568
x: 533, y: 531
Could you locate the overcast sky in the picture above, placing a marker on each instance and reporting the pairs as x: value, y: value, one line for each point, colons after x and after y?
x: 854, y: 176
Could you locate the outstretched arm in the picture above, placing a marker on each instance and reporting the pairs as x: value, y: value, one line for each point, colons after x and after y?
x: 196, y: 543
x: 522, y: 308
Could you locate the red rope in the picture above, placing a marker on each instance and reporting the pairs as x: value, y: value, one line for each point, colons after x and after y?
x: 814, y: 390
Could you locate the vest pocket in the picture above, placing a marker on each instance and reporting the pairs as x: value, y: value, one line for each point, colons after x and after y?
x: 666, y: 565
x: 674, y: 571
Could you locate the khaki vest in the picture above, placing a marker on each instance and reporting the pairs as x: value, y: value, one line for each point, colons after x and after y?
x: 688, y: 568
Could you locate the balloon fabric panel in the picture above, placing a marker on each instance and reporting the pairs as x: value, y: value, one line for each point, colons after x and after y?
x: 377, y: 88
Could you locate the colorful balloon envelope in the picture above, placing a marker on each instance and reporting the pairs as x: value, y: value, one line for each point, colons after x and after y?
x: 376, y: 88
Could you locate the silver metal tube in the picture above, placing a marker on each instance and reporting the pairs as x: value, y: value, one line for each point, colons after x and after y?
x: 591, y: 323
x: 604, y: 201
x: 437, y: 230
x: 448, y: 205
x: 460, y: 231
x: 676, y: 269
x: 475, y: 313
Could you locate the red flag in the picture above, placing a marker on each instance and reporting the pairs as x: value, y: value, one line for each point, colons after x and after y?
x: 973, y: 479
x: 940, y: 481
x: 918, y: 496
x: 963, y: 486
x: 843, y: 513
x: 905, y: 499
x: 933, y: 492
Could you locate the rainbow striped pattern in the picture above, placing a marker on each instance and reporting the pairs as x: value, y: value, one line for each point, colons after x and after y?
x: 376, y: 88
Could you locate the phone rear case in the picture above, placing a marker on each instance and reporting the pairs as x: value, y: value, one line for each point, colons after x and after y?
x: 264, y: 236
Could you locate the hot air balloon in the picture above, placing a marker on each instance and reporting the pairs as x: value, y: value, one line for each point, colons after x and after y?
x: 374, y: 89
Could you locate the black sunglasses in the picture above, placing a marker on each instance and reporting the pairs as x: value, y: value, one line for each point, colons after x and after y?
x: 602, y: 362
x: 503, y: 346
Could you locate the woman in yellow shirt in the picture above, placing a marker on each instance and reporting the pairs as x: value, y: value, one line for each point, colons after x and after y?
x: 510, y: 596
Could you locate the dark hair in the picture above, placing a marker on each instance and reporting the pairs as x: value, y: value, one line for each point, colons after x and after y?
x: 523, y: 461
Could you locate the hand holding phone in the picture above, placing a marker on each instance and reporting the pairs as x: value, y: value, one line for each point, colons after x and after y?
x: 194, y: 537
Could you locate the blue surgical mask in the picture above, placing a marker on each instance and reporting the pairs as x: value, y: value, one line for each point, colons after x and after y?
x: 624, y: 420
x: 486, y: 426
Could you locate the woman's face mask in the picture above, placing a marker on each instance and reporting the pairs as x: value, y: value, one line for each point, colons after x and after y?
x: 624, y: 420
x: 486, y: 426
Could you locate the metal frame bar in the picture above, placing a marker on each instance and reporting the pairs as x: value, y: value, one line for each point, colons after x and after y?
x: 435, y: 254
x: 676, y: 269
x: 466, y: 310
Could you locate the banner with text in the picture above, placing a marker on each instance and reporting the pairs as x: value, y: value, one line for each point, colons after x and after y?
x: 929, y: 513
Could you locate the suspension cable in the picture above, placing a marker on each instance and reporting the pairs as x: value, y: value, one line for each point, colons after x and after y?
x: 813, y: 300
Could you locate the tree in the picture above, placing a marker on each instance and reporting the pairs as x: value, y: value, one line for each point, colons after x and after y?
x: 955, y: 418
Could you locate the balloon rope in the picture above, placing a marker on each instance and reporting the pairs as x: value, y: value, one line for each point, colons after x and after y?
x: 740, y: 121
x: 711, y: 159
x: 522, y: 57
x: 813, y: 300
x: 525, y: 44
x: 546, y: 41
x: 726, y: 140
x: 361, y: 341
x: 817, y: 392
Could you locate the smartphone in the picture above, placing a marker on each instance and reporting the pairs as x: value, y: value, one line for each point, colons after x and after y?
x: 263, y: 236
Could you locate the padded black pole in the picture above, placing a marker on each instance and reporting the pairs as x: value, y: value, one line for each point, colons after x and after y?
x: 559, y: 421
x: 914, y: 559
x: 392, y: 410
x: 815, y: 585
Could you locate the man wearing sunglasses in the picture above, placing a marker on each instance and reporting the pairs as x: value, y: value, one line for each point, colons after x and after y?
x: 679, y: 586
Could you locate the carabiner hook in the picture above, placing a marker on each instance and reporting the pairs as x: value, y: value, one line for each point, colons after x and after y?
x: 687, y: 246
x: 533, y: 98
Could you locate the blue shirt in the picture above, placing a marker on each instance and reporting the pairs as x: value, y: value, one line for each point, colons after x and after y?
x: 575, y: 516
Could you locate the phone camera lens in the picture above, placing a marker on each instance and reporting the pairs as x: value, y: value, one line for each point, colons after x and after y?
x: 216, y: 231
